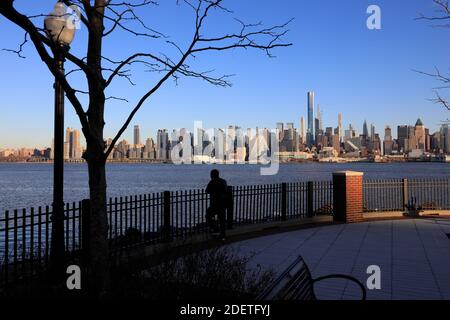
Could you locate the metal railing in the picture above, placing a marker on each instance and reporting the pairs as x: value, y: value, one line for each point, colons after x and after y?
x: 405, y: 194
x: 275, y: 202
x: 25, y: 236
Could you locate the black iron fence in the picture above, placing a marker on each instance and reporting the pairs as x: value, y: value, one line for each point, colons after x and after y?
x: 25, y: 236
x: 162, y: 217
x: 405, y: 194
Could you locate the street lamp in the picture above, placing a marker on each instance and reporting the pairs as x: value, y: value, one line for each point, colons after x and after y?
x: 61, y: 32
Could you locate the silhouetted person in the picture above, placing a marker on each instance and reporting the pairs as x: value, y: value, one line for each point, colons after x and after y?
x: 217, y: 189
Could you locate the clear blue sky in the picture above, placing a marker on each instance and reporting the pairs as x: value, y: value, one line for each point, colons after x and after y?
x: 363, y: 74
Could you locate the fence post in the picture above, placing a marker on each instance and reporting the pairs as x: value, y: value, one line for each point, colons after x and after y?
x: 230, y: 207
x: 348, y: 196
x: 310, y: 207
x: 166, y: 212
x: 284, y: 201
x: 6, y: 261
x: 405, y: 195
x: 85, y: 228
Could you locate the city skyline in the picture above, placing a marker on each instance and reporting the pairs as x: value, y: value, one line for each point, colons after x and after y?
x: 358, y: 72
x: 307, y: 135
x: 414, y: 140
x: 135, y: 131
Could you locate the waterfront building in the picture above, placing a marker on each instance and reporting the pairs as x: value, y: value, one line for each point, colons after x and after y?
x: 365, y: 130
x: 137, y: 136
x: 280, y: 130
x: 162, y: 144
x: 72, y: 144
x: 388, y: 142
x: 350, y: 133
x: 420, y: 137
x: 310, y: 129
x: 402, y: 137
x: 336, y: 144
x: 302, y: 131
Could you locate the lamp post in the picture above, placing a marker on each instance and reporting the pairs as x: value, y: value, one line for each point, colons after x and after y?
x: 61, y: 33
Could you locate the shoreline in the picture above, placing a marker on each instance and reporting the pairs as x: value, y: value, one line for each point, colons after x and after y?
x: 225, y: 163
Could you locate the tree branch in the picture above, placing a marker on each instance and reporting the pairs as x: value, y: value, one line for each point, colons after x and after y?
x: 244, y: 40
x: 8, y: 11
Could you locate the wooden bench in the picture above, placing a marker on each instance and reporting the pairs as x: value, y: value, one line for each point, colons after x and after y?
x: 296, y: 283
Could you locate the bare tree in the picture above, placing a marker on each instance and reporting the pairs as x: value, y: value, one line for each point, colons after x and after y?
x: 442, y: 17
x: 101, y: 18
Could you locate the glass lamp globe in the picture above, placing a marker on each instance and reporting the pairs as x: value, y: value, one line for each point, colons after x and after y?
x: 59, y: 25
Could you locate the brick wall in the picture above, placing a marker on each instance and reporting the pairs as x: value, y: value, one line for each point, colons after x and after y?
x: 348, y: 196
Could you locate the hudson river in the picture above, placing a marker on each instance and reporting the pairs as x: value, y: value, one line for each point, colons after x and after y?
x: 27, y: 185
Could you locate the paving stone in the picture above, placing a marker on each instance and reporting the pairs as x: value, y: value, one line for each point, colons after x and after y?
x: 414, y: 257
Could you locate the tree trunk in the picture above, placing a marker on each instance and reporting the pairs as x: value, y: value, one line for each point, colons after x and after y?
x: 98, y: 266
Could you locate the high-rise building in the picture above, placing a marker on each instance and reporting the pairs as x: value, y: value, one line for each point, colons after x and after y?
x: 340, y: 127
x: 411, y: 141
x: 372, y: 132
x: 427, y: 140
x: 162, y: 144
x: 310, y: 129
x: 419, y: 134
x: 402, y: 137
x: 199, y: 137
x: 137, y: 135
x: 317, y: 130
x: 329, y: 135
x: 336, y: 144
x: 290, y: 137
x: 75, y: 146
x: 72, y: 144
x: 319, y: 117
x: 365, y: 130
x: 302, y: 130
x: 388, y: 143
x: 350, y: 133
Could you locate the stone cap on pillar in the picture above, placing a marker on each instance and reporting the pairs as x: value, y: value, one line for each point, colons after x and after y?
x: 348, y: 173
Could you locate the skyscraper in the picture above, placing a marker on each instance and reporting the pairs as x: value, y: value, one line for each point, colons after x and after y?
x: 162, y: 144
x: 316, y: 127
x: 365, y: 130
x: 75, y: 147
x: 280, y: 129
x: 310, y: 129
x: 72, y: 145
x: 302, y: 130
x: 340, y: 127
x: 137, y: 135
x: 402, y: 136
x: 388, y: 143
x: 419, y: 134
x: 319, y: 117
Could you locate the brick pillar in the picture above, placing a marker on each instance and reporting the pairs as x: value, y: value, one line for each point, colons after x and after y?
x: 348, y: 196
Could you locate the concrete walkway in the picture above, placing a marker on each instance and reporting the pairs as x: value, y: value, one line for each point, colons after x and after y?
x: 413, y: 254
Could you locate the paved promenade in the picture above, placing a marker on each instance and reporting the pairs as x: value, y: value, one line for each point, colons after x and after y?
x: 413, y: 254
